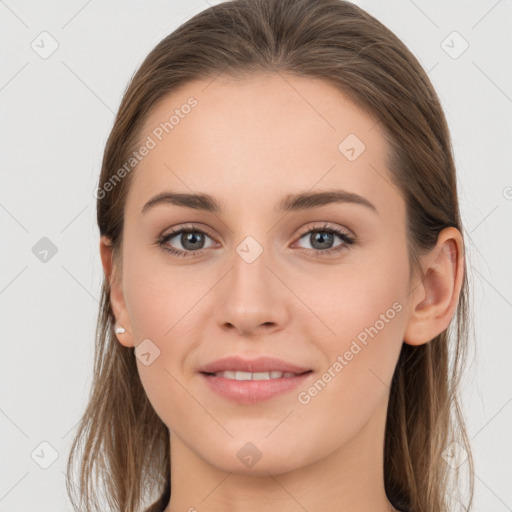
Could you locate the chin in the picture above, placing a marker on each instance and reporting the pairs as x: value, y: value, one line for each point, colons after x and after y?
x: 274, y: 465
x: 254, y: 458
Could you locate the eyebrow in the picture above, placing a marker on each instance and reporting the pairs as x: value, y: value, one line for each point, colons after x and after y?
x: 292, y: 202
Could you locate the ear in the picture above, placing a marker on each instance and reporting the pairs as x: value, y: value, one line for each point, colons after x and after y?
x: 435, y: 299
x: 116, y: 293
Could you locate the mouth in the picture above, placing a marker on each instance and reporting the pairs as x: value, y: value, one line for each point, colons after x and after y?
x: 240, y: 375
x: 250, y: 388
x: 250, y: 381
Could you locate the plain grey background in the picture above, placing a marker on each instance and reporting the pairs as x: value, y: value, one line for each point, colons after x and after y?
x: 56, y: 112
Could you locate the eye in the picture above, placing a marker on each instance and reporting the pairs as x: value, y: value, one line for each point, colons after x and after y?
x: 192, y: 239
x: 322, y: 238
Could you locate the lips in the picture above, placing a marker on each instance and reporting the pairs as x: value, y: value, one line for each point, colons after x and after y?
x: 239, y: 375
x: 252, y: 366
x: 250, y: 381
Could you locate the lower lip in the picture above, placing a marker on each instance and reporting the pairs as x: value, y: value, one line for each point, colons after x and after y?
x: 253, y: 391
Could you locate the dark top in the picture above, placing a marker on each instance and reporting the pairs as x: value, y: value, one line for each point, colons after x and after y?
x: 162, y: 502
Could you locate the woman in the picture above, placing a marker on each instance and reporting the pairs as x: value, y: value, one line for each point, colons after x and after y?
x: 283, y: 257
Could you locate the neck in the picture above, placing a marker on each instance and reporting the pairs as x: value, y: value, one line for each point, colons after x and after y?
x: 350, y: 479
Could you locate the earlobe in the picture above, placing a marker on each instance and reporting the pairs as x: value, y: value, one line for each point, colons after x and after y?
x: 435, y: 299
x: 116, y: 295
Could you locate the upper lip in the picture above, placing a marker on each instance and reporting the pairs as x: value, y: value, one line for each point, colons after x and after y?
x: 261, y: 364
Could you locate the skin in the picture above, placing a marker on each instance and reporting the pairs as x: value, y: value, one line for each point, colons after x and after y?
x: 250, y: 143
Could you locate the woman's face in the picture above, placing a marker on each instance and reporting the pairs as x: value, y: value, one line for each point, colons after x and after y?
x: 262, y: 275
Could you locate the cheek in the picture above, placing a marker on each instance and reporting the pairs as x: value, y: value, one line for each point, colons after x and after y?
x: 160, y: 298
x: 161, y: 309
x: 157, y: 302
x: 351, y: 298
x: 362, y: 311
x: 368, y: 321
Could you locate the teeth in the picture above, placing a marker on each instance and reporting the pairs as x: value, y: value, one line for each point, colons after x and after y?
x: 238, y: 375
x: 243, y: 376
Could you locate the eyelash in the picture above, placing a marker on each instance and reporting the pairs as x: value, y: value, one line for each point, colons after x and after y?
x: 347, y: 239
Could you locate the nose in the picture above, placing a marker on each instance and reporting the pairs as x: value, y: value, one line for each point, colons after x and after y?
x: 252, y: 298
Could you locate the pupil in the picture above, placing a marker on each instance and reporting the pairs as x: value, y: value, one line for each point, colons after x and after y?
x: 190, y: 238
x: 319, y: 237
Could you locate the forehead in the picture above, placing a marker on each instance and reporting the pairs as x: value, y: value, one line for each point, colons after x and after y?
x: 262, y: 136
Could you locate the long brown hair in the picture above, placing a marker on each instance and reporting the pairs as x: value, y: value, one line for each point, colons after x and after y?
x: 125, y: 444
